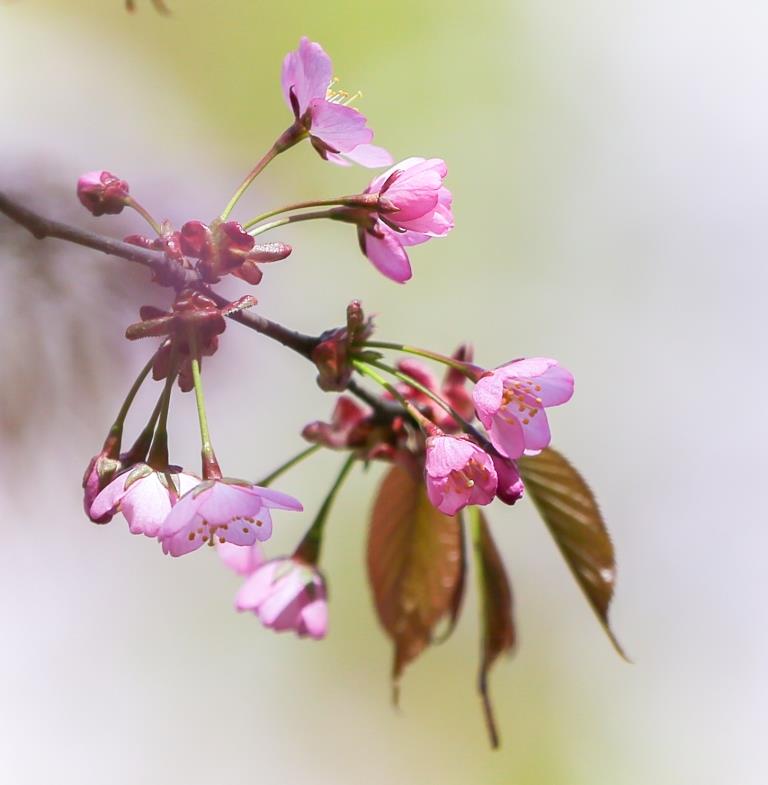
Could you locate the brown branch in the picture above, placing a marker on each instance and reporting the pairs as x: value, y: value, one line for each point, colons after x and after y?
x: 170, y: 273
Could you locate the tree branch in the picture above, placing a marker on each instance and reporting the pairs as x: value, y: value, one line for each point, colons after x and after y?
x: 170, y: 273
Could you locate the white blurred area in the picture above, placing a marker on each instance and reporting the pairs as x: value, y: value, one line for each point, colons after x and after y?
x: 611, y: 179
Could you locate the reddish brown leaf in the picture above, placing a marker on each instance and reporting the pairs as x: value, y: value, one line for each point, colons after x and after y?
x: 414, y: 564
x: 570, y: 511
x: 497, y: 627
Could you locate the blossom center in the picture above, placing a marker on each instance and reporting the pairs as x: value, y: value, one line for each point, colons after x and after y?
x: 210, y: 532
x: 463, y: 480
x: 333, y: 96
x: 519, y: 401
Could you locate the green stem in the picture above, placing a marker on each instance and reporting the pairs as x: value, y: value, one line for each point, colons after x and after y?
x: 308, y: 550
x: 211, y: 468
x: 270, y: 478
x: 114, y: 437
x: 250, y: 177
x: 296, y: 206
x: 409, y: 380
x: 144, y: 213
x: 365, y: 369
x: 441, y: 358
x: 158, y: 453
x: 140, y: 448
x: 289, y: 220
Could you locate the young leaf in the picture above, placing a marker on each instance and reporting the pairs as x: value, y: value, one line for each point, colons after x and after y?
x: 497, y: 627
x: 414, y: 564
x: 570, y: 510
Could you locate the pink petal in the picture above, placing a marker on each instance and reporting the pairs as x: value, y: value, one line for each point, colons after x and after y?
x: 388, y: 256
x: 308, y: 70
x: 255, y: 590
x: 314, y: 619
x: 446, y: 454
x: 244, y: 560
x: 487, y: 396
x: 341, y: 127
x: 369, y: 155
x: 507, y: 437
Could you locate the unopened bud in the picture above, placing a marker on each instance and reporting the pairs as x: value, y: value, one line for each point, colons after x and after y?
x: 102, y: 192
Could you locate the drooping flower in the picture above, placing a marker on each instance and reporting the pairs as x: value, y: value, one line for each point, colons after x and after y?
x: 222, y: 510
x: 102, y: 192
x: 287, y: 594
x: 144, y: 496
x: 413, y: 206
x: 511, y: 401
x: 458, y: 473
x: 323, y: 113
x: 510, y: 488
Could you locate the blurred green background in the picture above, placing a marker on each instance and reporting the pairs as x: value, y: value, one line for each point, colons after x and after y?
x: 609, y: 169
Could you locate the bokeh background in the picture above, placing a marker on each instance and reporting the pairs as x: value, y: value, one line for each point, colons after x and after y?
x: 609, y: 165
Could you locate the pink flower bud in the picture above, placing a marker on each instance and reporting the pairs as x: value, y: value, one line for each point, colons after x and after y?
x: 510, y: 488
x: 102, y: 192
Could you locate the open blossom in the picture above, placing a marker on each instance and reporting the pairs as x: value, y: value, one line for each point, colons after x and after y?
x: 224, y: 510
x: 333, y: 126
x: 510, y: 402
x: 458, y: 473
x: 102, y: 192
x: 287, y: 594
x: 144, y: 497
x: 413, y: 207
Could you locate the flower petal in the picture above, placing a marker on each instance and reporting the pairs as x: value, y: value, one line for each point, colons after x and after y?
x: 341, y: 127
x: 388, y: 256
x: 308, y: 70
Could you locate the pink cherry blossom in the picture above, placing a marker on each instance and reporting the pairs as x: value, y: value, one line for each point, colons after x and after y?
x: 458, y: 473
x: 144, y: 497
x: 333, y: 126
x: 414, y: 206
x: 510, y: 402
x: 102, y: 192
x: 510, y: 488
x: 226, y: 510
x: 287, y: 594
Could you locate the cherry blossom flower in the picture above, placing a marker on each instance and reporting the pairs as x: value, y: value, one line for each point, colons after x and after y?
x: 287, y: 594
x: 510, y: 402
x: 102, y: 192
x: 413, y: 207
x: 223, y: 510
x: 324, y: 113
x: 510, y: 488
x: 458, y: 473
x: 144, y: 496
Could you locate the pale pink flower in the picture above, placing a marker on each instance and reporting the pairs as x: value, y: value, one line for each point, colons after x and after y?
x: 144, y: 497
x: 414, y: 206
x: 333, y: 126
x: 102, y: 192
x: 223, y: 510
x: 458, y: 473
x: 510, y: 488
x: 510, y: 402
x: 287, y: 594
x: 242, y: 559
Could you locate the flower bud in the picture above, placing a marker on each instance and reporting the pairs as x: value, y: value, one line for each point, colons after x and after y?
x: 102, y: 192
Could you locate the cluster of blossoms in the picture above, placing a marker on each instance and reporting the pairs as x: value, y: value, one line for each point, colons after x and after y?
x: 462, y: 442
